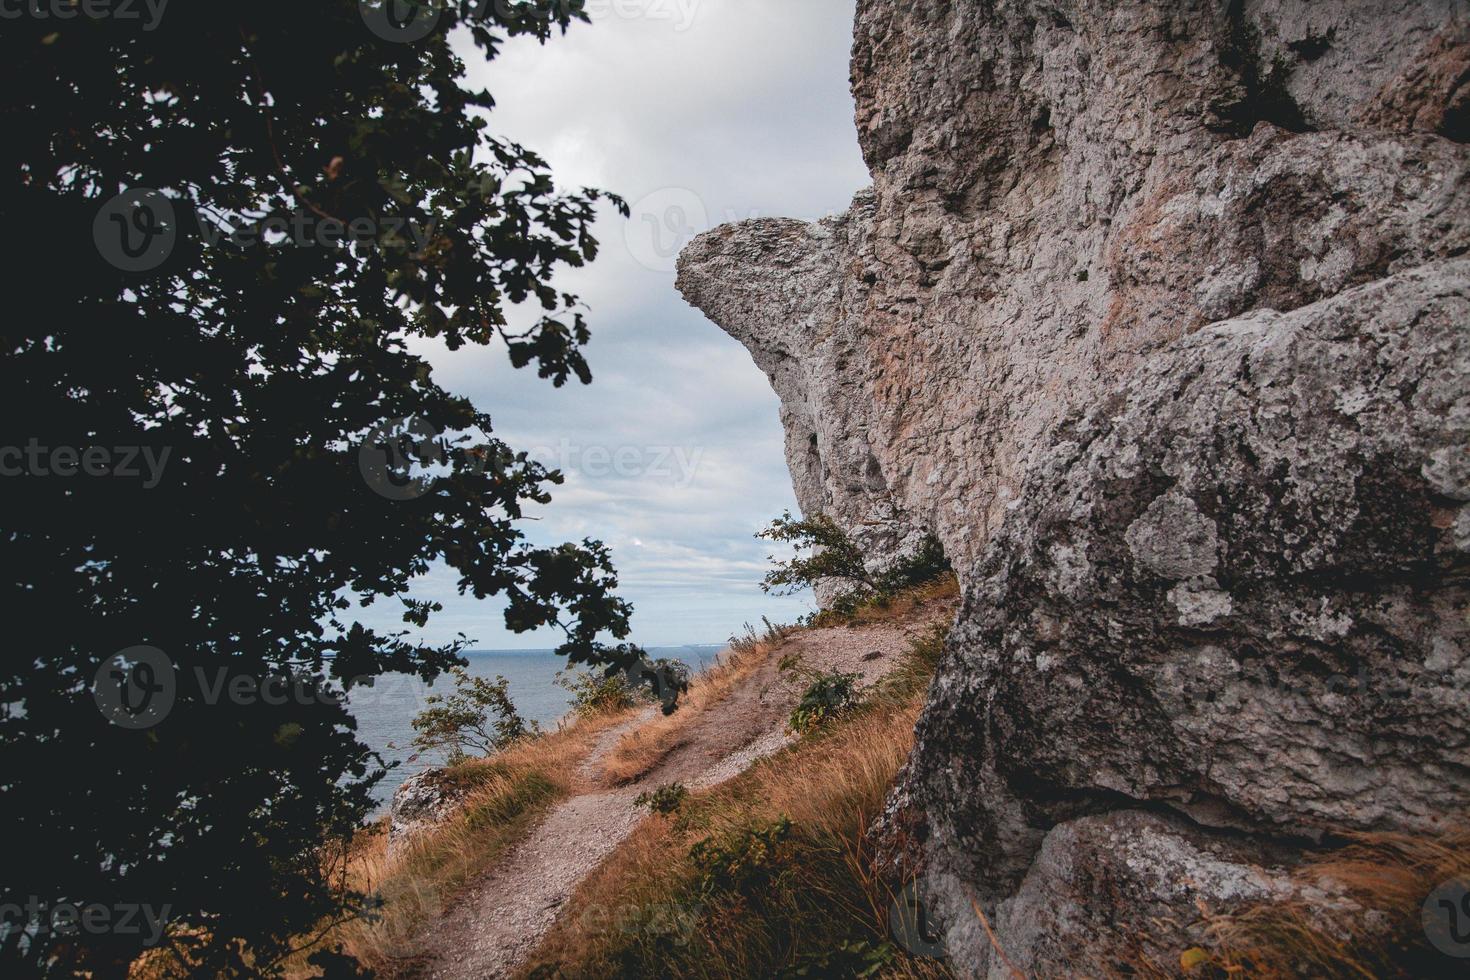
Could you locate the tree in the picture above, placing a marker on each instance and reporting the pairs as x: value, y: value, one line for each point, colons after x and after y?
x: 822, y: 551
x: 477, y: 716
x: 249, y: 371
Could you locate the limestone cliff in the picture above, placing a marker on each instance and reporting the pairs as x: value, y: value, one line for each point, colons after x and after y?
x: 1158, y: 316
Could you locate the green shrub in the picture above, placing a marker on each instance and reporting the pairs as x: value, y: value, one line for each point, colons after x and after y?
x: 821, y: 551
x: 829, y: 696
x: 597, y: 692
x: 478, y: 715
x: 747, y: 862
x: 924, y: 565
x: 665, y: 799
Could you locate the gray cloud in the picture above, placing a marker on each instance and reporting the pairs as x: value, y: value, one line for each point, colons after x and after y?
x: 738, y: 110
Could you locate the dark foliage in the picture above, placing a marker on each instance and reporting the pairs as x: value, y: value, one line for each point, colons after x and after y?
x: 827, y: 697
x: 750, y: 862
x: 259, y: 370
x: 666, y: 799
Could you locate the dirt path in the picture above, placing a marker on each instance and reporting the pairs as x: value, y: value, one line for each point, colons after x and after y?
x: 502, y: 917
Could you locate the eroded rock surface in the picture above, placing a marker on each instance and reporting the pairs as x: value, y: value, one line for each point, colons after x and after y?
x: 1156, y: 315
x: 422, y: 802
x: 1235, y: 591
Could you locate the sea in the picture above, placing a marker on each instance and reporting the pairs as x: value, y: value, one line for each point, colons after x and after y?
x: 386, y: 711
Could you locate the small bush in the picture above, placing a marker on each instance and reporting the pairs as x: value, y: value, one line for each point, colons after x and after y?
x: 925, y: 565
x: 478, y: 715
x: 665, y: 799
x: 830, y: 696
x: 596, y: 693
x: 747, y: 862
x: 822, y: 551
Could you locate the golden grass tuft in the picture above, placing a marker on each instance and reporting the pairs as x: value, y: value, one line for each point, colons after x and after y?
x: 900, y: 606
x: 1388, y: 876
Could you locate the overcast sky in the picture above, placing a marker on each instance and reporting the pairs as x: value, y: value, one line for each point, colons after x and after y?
x: 698, y: 112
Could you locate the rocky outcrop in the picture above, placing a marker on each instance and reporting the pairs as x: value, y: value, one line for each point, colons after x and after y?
x: 1156, y: 316
x: 1060, y: 190
x: 785, y: 290
x: 422, y: 802
x: 1236, y: 592
x: 1106, y: 893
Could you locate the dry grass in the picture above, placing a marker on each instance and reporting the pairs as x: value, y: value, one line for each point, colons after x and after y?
x: 770, y: 899
x: 507, y: 794
x: 643, y: 748
x: 893, y: 608
x: 639, y: 751
x: 1388, y: 875
x: 825, y: 896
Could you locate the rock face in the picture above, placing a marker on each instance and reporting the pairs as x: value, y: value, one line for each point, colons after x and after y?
x: 1236, y: 592
x: 1157, y: 316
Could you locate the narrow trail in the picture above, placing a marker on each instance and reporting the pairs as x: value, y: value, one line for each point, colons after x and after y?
x: 501, y: 917
x: 506, y: 913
